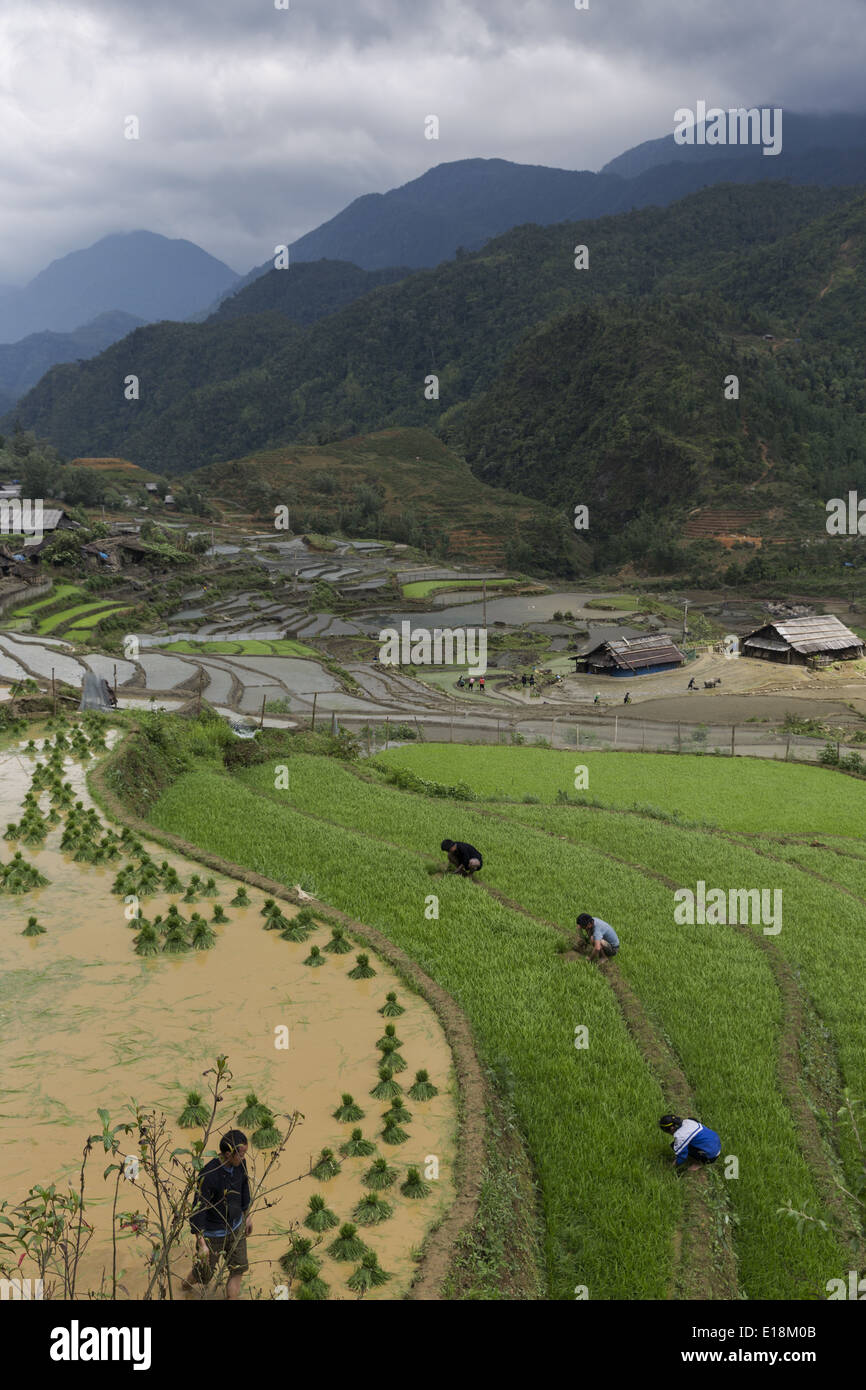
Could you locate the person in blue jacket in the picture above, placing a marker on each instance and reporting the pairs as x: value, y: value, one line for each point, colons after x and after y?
x: 691, y: 1140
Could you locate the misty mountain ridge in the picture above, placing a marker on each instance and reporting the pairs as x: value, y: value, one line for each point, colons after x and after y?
x: 141, y: 273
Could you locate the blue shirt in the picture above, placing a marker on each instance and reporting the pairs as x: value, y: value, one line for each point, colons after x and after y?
x: 603, y: 931
x: 693, y: 1135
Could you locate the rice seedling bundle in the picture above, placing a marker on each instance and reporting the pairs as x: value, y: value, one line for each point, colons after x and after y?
x: 379, y: 1175
x: 371, y: 1210
x: 194, y: 1115
x: 203, y: 937
x: 347, y: 1111
x: 312, y: 1288
x: 393, y: 1134
x: 267, y: 1136
x: 363, y: 970
x: 338, y: 945
x: 386, y: 1088
x: 415, y: 1186
x: 397, y: 1113
x: 315, y: 957
x: 320, y: 1218
x: 254, y: 1112
x: 389, y: 1036
x: 423, y: 1088
x: 176, y: 941
x: 391, y: 1057
x: 391, y: 1009
x: 299, y: 1249
x: 347, y: 1245
x: 240, y: 898
x: 326, y: 1166
x: 357, y: 1146
x: 33, y: 928
x: 368, y: 1275
x: 219, y: 915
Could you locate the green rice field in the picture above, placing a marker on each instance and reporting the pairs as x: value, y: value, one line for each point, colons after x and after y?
x: 283, y: 646
x: 766, y: 1028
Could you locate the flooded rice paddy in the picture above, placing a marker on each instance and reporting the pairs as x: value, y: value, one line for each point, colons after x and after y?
x: 86, y: 1023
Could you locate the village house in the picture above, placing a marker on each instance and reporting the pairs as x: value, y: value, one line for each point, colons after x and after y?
x: 799, y: 641
x: 638, y: 656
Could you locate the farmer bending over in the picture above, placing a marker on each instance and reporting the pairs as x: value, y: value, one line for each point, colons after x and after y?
x: 462, y: 858
x: 691, y: 1140
x: 219, y: 1220
x: 599, y: 936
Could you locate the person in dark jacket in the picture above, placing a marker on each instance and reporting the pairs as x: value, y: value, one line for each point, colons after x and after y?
x: 462, y: 858
x: 220, y: 1220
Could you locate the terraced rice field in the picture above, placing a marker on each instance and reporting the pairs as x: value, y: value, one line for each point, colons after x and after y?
x: 251, y: 647
x: 88, y: 1021
x: 757, y: 1033
x: 422, y: 588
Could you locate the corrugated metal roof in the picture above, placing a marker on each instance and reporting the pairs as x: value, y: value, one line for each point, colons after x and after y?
x: 656, y: 650
x: 770, y: 644
x: 815, y: 634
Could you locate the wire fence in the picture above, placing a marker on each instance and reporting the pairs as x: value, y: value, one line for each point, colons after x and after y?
x: 585, y: 732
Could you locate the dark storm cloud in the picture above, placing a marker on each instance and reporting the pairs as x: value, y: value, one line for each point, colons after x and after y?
x: 258, y: 123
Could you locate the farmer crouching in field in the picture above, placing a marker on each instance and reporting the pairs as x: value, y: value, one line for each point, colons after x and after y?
x: 462, y: 858
x: 691, y: 1140
x: 219, y: 1220
x: 599, y: 937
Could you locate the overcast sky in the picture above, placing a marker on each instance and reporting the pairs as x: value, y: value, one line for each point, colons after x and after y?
x: 257, y: 124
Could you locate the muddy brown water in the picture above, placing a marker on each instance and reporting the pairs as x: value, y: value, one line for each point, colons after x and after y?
x: 85, y: 1023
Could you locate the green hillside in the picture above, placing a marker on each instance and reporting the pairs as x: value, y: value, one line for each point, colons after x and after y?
x: 400, y: 484
x: 601, y: 386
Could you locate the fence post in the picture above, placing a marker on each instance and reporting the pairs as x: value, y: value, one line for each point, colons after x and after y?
x: 788, y: 749
x: 387, y: 729
x: 642, y: 735
x: 553, y: 732
x: 115, y: 680
x: 733, y: 740
x: 577, y: 735
x: 679, y: 738
x: 615, y: 728
x: 499, y: 731
x: 53, y: 690
x: 262, y: 715
x: 313, y: 716
x: 451, y: 725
